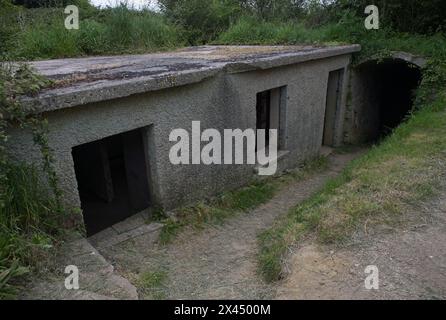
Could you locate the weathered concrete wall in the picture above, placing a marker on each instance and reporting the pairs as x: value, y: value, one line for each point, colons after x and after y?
x: 226, y: 101
x: 305, y: 104
x: 362, y: 119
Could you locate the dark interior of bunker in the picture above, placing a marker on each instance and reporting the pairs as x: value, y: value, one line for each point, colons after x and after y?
x: 391, y: 86
x: 112, y: 179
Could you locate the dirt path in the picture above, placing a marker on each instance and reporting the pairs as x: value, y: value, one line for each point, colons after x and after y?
x: 221, y: 262
x: 411, y: 260
x: 218, y: 262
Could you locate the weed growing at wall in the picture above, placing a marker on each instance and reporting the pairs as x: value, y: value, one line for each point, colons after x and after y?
x: 30, y: 214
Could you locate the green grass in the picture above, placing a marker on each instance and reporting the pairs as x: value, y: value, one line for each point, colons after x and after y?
x: 218, y: 209
x: 349, y: 29
x: 249, y: 30
x: 379, y: 187
x: 31, y: 216
x: 152, y: 284
x: 42, y: 34
x: 30, y: 226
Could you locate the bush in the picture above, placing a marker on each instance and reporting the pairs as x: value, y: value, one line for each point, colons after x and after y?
x: 130, y: 30
x: 202, y: 20
x: 92, y: 37
x: 47, y: 39
x: 249, y: 30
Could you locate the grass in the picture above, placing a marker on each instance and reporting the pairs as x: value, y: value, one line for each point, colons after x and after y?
x: 406, y: 168
x: 41, y: 33
x: 228, y: 204
x: 152, y: 284
x: 248, y: 30
x: 29, y: 227
x: 349, y: 29
x: 31, y: 216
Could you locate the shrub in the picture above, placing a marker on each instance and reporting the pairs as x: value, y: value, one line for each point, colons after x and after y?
x: 202, y: 20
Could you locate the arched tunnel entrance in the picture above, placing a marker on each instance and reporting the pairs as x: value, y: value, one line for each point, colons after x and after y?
x: 383, y: 93
x: 397, y: 81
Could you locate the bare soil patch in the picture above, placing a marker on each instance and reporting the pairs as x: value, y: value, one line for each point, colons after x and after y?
x: 411, y: 259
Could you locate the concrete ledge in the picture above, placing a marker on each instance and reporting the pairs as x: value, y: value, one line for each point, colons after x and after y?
x: 416, y: 60
x: 87, y: 80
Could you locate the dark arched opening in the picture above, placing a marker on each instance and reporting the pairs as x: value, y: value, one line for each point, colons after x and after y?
x: 397, y: 81
x: 383, y: 94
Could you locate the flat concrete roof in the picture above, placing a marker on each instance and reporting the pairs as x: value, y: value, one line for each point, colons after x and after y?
x: 85, y: 80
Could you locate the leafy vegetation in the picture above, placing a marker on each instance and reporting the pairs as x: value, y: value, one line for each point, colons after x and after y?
x: 34, y: 29
x: 31, y: 214
x: 40, y: 33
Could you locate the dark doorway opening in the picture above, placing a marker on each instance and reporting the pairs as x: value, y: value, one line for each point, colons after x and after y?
x: 389, y: 86
x: 263, y: 110
x: 271, y: 114
x: 333, y: 102
x: 112, y: 179
x: 397, y: 81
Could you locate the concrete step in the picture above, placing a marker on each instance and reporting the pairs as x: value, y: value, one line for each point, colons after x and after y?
x: 97, y: 278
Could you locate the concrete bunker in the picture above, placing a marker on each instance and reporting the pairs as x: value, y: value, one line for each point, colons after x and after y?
x: 111, y: 133
x: 383, y: 94
x: 112, y: 179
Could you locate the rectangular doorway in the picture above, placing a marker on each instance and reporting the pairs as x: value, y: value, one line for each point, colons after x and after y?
x: 271, y: 114
x: 112, y: 179
x: 334, y: 96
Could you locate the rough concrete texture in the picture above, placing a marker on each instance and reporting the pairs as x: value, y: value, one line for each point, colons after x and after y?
x: 134, y: 226
x: 362, y: 118
x: 86, y: 80
x: 225, y: 101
